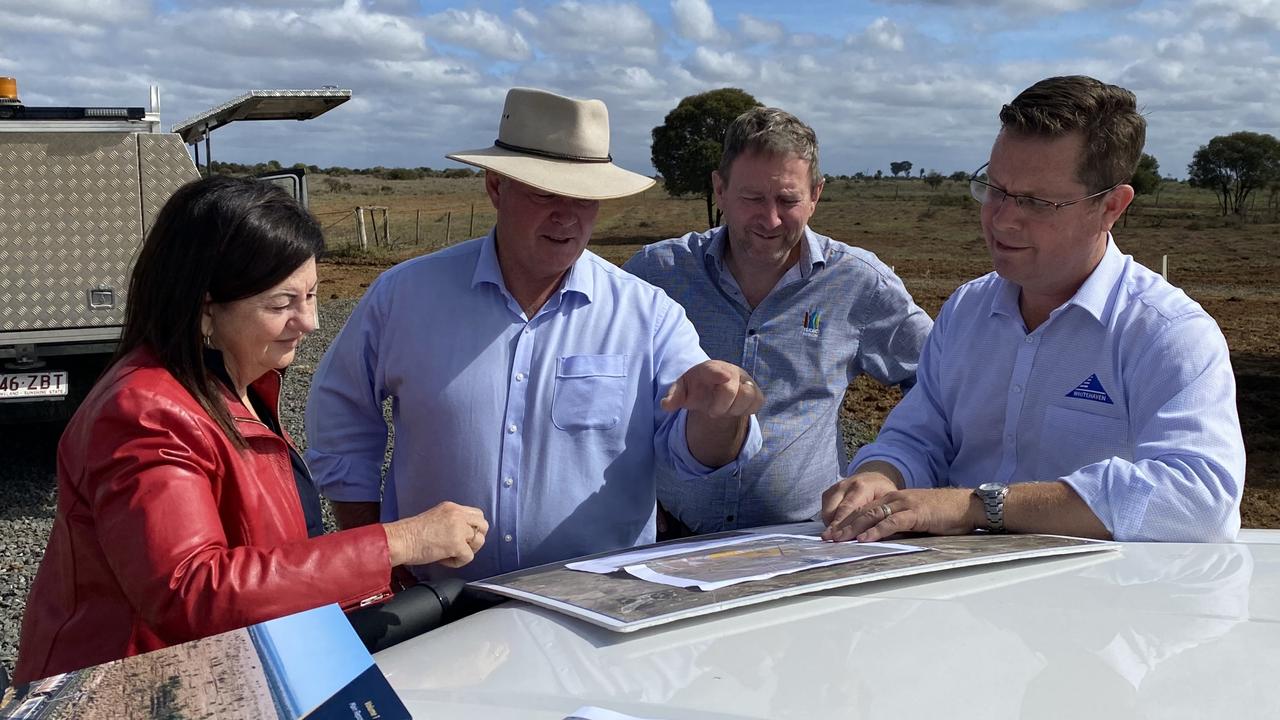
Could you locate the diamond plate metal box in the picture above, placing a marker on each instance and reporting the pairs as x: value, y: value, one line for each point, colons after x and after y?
x: 73, y: 209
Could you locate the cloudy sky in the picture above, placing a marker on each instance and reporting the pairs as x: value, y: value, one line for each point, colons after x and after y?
x: 917, y: 80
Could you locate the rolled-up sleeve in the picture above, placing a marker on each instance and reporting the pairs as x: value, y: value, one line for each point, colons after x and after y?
x: 1187, y: 474
x: 893, y: 333
x: 346, y: 431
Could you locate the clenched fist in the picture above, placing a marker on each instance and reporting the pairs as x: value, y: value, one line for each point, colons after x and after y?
x: 448, y: 533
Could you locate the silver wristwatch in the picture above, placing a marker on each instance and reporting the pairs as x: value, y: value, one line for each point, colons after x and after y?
x: 992, y: 495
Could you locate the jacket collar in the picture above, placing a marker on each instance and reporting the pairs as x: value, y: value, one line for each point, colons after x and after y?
x: 266, y: 387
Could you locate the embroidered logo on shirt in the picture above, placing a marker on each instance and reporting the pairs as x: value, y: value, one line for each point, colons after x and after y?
x: 1091, y: 389
x: 812, y: 322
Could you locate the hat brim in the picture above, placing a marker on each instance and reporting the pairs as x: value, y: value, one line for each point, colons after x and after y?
x: 570, y: 178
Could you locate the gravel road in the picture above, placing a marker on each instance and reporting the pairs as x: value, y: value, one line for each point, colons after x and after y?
x: 28, y: 486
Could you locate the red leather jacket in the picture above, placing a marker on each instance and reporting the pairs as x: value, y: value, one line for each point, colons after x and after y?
x: 166, y: 532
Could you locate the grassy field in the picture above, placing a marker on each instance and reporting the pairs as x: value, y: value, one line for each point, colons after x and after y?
x: 932, y: 239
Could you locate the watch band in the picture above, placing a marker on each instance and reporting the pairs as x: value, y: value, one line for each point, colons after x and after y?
x: 993, y: 496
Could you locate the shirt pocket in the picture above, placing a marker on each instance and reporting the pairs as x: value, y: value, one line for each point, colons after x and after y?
x: 1071, y: 438
x: 589, y: 392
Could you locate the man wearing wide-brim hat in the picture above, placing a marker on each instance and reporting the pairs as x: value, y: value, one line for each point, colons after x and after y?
x: 530, y: 378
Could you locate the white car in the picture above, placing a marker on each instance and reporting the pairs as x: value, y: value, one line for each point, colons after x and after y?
x: 1149, y: 630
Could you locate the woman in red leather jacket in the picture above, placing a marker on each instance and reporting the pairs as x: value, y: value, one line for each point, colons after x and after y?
x: 180, y: 496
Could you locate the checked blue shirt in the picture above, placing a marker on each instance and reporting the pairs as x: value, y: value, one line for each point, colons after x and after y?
x: 837, y: 313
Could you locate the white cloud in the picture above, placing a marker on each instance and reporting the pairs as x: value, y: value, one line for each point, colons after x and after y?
x: 921, y: 83
x: 77, y: 11
x: 1238, y: 16
x: 348, y: 31
x: 622, y: 30
x: 695, y: 21
x: 524, y: 17
x: 1023, y: 7
x: 479, y: 30
x: 883, y: 33
x: 596, y: 26
x: 1180, y: 46
x: 761, y: 31
x: 1157, y: 18
x: 720, y: 66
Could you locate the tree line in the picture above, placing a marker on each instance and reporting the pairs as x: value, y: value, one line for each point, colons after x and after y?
x: 688, y: 144
x: 378, y: 171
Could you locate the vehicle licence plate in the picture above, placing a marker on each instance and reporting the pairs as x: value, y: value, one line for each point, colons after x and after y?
x: 47, y: 384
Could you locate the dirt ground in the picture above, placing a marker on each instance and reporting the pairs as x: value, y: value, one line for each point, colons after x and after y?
x: 931, y: 238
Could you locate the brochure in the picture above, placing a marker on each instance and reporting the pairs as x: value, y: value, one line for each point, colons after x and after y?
x: 760, y: 557
x: 309, y: 665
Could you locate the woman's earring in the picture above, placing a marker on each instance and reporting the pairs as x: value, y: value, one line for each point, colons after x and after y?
x: 208, y: 340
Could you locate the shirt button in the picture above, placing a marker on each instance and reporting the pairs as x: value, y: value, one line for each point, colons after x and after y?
x: 519, y: 377
x: 1009, y: 437
x: 1017, y: 389
x: 507, y: 538
x: 1030, y: 339
x: 509, y: 482
x: 511, y: 428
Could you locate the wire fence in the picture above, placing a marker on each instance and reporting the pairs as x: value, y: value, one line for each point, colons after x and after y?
x: 397, y: 227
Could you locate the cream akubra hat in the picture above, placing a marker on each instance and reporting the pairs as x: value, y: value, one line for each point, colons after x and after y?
x: 556, y: 144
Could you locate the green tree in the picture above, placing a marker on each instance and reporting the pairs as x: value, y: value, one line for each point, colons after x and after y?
x: 958, y: 176
x: 1235, y: 165
x: 687, y: 146
x: 1146, y: 178
x: 934, y: 179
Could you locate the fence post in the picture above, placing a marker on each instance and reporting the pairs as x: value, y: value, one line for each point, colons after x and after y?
x: 1164, y: 267
x: 471, y: 229
x: 386, y: 228
x: 373, y: 219
x: 417, y: 227
x: 364, y: 240
x: 448, y: 220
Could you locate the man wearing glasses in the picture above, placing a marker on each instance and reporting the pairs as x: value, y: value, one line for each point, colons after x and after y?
x: 1072, y: 391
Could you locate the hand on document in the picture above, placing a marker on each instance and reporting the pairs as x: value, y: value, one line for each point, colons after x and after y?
x: 868, y: 509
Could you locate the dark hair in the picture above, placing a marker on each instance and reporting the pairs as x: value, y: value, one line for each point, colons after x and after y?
x: 770, y: 131
x: 1105, y: 115
x: 222, y: 238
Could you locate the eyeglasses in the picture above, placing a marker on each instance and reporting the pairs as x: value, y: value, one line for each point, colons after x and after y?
x: 987, y: 194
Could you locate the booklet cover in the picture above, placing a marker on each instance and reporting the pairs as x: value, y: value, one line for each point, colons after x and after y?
x: 309, y: 665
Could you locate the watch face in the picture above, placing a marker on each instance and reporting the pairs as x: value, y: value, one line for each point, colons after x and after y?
x: 991, y: 487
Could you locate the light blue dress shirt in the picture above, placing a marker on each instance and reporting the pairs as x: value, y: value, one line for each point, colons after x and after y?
x: 838, y: 312
x: 551, y: 425
x: 1125, y: 393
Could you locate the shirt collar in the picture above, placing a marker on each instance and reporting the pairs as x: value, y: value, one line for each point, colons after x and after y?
x: 812, y: 251
x: 1094, y: 296
x: 578, y: 280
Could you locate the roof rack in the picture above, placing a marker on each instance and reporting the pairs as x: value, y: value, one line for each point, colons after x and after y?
x: 258, y: 105
x: 262, y: 105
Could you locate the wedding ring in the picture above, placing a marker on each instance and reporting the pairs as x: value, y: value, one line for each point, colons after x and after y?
x: 886, y: 510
